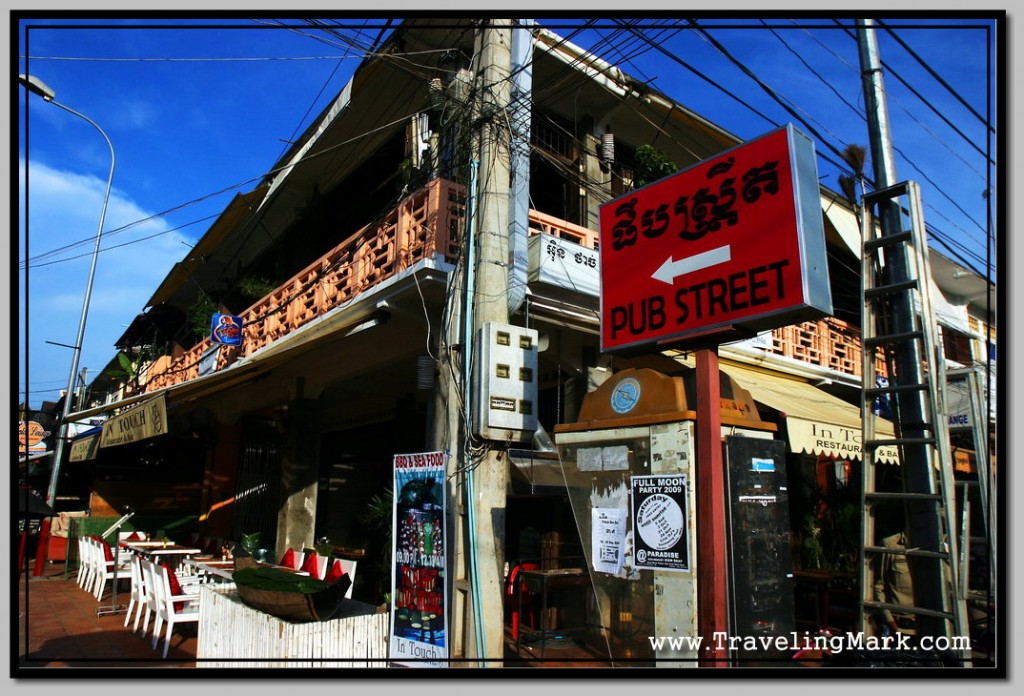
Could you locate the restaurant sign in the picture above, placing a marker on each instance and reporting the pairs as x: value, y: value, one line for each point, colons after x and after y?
x: 139, y: 422
x: 419, y: 616
x: 31, y: 436
x: 84, y: 448
x: 832, y: 440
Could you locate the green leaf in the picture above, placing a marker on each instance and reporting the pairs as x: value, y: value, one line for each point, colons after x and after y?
x: 278, y: 580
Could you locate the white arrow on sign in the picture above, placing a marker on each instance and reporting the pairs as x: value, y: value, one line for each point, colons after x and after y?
x: 670, y: 270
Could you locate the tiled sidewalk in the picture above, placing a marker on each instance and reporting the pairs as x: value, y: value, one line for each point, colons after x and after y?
x: 59, y: 627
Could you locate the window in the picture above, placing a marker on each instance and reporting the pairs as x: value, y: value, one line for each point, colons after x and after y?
x: 957, y: 346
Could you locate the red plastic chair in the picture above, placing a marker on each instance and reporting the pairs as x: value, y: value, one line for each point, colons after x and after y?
x: 513, y: 587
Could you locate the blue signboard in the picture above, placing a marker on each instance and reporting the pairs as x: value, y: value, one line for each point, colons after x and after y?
x: 226, y: 329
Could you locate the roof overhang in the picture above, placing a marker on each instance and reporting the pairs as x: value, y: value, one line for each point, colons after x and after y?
x: 816, y: 422
x: 366, y: 310
x: 211, y: 257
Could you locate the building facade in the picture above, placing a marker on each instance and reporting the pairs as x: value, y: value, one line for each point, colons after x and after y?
x: 348, y: 265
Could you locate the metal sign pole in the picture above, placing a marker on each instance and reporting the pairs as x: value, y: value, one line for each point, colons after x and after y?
x: 711, y: 563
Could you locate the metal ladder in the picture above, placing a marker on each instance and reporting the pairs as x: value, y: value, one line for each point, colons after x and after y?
x: 968, y: 385
x: 898, y: 323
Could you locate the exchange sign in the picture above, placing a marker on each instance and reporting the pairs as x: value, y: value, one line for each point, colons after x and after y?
x: 735, y: 242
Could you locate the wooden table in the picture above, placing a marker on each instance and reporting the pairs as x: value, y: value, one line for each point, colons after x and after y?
x: 156, y: 550
x: 212, y: 566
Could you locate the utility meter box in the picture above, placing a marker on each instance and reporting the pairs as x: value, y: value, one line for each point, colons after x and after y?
x: 505, y: 377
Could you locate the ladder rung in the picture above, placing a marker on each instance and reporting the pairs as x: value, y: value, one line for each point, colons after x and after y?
x: 891, y: 288
x: 900, y: 495
x: 893, y: 338
x: 911, y: 427
x: 875, y: 391
x: 907, y: 609
x: 901, y: 441
x: 888, y: 240
x: 919, y: 553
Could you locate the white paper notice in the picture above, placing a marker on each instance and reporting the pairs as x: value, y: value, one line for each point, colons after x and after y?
x: 615, y: 458
x: 608, y: 532
x: 589, y: 459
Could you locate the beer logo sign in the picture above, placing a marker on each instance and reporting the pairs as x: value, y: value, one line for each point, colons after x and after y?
x: 31, y: 435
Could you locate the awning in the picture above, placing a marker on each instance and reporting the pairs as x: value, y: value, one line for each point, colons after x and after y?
x: 32, y: 506
x: 845, y: 222
x: 187, y: 391
x: 816, y: 421
x: 537, y: 471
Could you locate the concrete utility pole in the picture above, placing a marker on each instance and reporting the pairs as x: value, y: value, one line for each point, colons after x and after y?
x: 492, y: 96
x: 924, y: 525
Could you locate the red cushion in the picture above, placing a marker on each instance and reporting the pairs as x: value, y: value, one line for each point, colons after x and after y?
x: 335, y: 572
x: 312, y: 566
x: 108, y: 554
x: 172, y: 580
x: 288, y: 559
x: 136, y: 536
x: 176, y: 591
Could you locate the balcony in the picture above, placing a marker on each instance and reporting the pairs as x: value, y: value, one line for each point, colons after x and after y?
x: 428, y: 224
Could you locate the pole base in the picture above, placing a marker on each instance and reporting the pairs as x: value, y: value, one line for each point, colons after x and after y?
x: 112, y: 609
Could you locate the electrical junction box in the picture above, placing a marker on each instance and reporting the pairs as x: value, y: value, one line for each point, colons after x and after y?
x: 506, y: 377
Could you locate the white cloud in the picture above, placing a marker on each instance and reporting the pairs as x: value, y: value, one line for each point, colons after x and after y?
x: 63, y: 217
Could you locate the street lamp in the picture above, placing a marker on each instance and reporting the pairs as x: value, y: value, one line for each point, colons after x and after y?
x: 37, y: 86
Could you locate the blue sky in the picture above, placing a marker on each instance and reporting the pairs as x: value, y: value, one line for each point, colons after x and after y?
x: 199, y: 114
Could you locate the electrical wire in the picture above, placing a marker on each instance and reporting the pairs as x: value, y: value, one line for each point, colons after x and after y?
x: 938, y: 78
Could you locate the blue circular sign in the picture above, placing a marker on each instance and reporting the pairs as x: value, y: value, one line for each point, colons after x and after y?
x: 626, y: 395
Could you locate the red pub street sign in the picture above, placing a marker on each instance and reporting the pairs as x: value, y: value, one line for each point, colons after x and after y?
x: 735, y: 243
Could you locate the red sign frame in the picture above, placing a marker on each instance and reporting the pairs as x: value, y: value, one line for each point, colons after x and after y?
x: 732, y: 244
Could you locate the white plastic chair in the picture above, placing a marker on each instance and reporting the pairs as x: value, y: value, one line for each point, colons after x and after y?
x: 139, y: 602
x: 347, y: 567
x: 91, y: 555
x: 148, y: 570
x: 105, y: 570
x: 84, y: 562
x: 293, y: 558
x: 315, y: 565
x: 165, y: 604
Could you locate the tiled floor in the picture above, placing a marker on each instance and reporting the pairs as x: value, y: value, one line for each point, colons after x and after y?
x: 59, y: 627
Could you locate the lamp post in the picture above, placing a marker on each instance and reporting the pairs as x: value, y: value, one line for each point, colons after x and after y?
x: 37, y: 86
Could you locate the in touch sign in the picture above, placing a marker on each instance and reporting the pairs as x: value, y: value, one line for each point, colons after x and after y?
x: 734, y: 242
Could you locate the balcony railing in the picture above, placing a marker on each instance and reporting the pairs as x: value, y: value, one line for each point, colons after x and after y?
x: 830, y: 343
x: 426, y: 224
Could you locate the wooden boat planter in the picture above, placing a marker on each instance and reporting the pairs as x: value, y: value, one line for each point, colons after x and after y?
x: 288, y: 596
